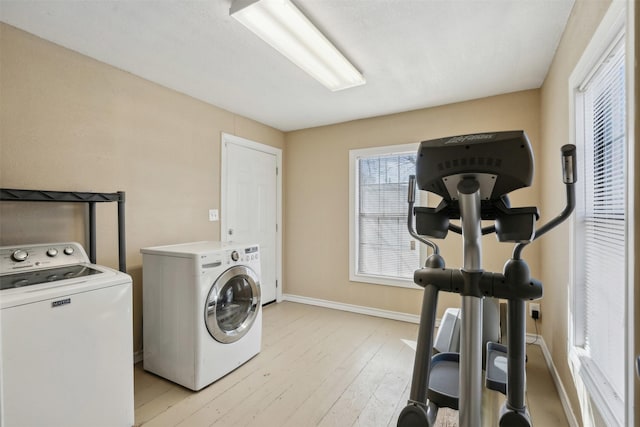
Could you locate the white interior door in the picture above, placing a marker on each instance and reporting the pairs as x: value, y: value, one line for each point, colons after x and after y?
x: 250, y: 204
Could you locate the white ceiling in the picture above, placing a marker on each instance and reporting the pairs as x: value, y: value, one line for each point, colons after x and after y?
x: 413, y: 53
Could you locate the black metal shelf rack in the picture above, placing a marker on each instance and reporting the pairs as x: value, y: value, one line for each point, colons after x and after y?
x: 91, y: 199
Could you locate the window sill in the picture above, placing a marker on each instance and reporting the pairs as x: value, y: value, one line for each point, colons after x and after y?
x: 593, y: 386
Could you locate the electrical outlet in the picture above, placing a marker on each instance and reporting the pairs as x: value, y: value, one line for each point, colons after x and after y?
x: 213, y: 214
x: 534, y: 310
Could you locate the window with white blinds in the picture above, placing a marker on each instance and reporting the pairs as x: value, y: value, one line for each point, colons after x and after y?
x: 601, y: 232
x: 382, y: 249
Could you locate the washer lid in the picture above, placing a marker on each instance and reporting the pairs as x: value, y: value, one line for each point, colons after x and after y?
x: 102, y: 278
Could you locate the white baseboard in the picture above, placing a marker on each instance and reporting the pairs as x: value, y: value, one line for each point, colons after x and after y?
x: 138, y: 356
x: 377, y: 312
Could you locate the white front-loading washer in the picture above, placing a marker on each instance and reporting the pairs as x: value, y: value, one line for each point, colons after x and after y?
x: 202, y: 316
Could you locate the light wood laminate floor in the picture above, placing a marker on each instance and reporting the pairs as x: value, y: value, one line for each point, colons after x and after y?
x: 317, y: 367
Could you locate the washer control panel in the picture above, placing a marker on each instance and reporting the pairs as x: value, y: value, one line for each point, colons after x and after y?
x: 31, y: 257
x: 229, y: 257
x: 242, y: 255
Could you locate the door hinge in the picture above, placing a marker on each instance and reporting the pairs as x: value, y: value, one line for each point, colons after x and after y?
x: 276, y: 284
x: 276, y: 171
x: 276, y: 228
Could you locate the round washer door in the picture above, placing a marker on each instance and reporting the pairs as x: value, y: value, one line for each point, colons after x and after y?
x: 232, y: 304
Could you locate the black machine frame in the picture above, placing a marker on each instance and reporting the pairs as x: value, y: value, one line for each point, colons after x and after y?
x: 474, y: 174
x: 90, y: 199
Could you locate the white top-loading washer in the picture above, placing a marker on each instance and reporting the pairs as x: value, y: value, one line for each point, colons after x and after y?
x: 66, y: 339
x: 202, y: 316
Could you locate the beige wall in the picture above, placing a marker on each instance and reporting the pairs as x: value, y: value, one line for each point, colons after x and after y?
x: 317, y: 205
x: 68, y: 122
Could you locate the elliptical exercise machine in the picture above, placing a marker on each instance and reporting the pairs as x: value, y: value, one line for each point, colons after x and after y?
x: 474, y: 174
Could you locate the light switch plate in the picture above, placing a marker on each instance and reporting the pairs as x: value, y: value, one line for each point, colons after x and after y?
x: 213, y: 214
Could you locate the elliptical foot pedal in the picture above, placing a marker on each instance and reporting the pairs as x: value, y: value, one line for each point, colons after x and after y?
x: 443, y: 380
x: 496, y: 369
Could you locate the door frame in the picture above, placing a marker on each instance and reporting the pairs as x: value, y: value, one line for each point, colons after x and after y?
x: 226, y: 139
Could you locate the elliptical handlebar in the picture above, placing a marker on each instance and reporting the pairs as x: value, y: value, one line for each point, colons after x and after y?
x: 411, y: 199
x: 569, y: 177
x: 569, y: 174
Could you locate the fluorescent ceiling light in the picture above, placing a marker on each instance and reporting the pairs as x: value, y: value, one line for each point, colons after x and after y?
x: 281, y: 24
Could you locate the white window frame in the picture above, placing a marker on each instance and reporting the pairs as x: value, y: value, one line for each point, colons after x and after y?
x: 354, y: 275
x: 590, y: 391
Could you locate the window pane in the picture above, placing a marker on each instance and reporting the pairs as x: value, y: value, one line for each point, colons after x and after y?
x: 369, y: 171
x: 602, y: 264
x: 384, y: 247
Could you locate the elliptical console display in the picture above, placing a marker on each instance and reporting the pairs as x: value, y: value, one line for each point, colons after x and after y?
x: 503, y: 159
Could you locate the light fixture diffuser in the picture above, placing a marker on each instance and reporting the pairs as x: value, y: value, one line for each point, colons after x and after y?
x: 282, y: 25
